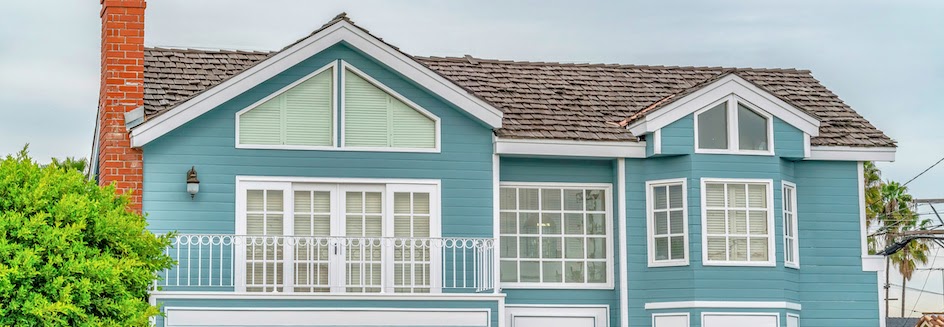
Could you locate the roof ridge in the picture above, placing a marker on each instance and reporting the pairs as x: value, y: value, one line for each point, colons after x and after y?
x: 205, y: 50
x: 469, y: 58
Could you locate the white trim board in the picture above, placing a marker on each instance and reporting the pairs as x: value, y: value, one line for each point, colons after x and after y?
x: 568, y: 148
x: 311, y: 45
x: 205, y: 316
x: 170, y: 295
x: 623, y: 245
x: 731, y: 84
x: 852, y: 153
x: 724, y: 305
x: 599, y: 313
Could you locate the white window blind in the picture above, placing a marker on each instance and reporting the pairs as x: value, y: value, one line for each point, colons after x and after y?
x: 554, y: 235
x: 374, y: 118
x: 264, y: 255
x: 667, y: 223
x: 302, y: 116
x: 791, y: 249
x: 737, y: 222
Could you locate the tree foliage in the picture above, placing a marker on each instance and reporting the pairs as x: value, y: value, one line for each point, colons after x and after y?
x: 888, y: 211
x: 71, y: 163
x: 71, y: 254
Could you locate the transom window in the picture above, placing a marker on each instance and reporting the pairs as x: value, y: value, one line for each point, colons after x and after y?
x: 555, y: 236
x: 737, y: 219
x: 732, y: 125
x: 305, y: 115
x: 791, y: 248
x: 667, y: 223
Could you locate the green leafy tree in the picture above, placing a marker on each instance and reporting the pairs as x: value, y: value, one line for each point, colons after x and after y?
x: 71, y: 163
x: 71, y: 253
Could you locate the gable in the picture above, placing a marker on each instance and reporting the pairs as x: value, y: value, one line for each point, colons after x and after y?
x: 339, y: 30
x: 702, y: 98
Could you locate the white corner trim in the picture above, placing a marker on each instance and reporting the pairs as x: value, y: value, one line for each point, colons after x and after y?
x: 657, y: 142
x: 623, y: 246
x: 650, y: 228
x: 731, y: 84
x: 496, y: 221
x: 850, y: 153
x: 341, y: 31
x: 806, y: 145
x: 873, y: 263
x: 863, y: 229
x: 544, y: 147
x: 724, y: 305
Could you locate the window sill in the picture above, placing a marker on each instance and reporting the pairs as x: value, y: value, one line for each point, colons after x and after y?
x: 792, y: 265
x: 674, y: 263
x: 556, y: 286
x: 735, y: 152
x: 740, y: 263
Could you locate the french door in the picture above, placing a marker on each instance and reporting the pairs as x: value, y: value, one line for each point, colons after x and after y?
x: 357, y: 238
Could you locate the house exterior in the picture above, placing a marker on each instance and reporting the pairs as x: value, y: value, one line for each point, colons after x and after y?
x: 343, y: 182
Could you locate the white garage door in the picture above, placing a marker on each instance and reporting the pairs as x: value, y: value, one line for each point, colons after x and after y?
x: 191, y: 317
x: 740, y: 320
x: 557, y: 316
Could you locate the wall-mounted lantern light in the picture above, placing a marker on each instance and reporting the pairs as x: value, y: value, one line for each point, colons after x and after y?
x: 193, y: 184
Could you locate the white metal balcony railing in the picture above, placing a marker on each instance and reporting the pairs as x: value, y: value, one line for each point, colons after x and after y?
x: 287, y: 264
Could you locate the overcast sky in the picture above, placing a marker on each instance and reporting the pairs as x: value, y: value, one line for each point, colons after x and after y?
x: 884, y: 58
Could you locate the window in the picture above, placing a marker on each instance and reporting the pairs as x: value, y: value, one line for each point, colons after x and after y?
x: 736, y: 217
x: 733, y: 126
x: 791, y: 249
x: 306, y: 114
x: 374, y: 118
x: 555, y: 235
x: 302, y: 236
x: 667, y: 223
x: 301, y: 115
x: 670, y: 319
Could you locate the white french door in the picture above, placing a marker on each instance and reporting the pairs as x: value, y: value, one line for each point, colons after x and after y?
x: 357, y: 238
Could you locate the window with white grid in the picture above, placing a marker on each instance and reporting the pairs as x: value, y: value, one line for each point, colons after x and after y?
x: 791, y: 249
x: 555, y: 235
x: 737, y: 222
x: 667, y: 223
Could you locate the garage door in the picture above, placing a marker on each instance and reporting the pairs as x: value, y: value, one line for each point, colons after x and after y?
x: 255, y: 317
x: 740, y: 320
x: 557, y: 316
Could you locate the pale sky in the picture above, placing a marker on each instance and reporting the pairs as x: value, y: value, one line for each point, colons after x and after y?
x: 883, y: 58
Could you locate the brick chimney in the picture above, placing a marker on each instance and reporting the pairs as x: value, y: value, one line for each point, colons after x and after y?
x: 122, y: 90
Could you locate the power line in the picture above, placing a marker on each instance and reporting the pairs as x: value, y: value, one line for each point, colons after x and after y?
x: 922, y: 173
x: 926, y: 279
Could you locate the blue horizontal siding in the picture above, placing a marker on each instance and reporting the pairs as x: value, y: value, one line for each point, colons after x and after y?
x: 514, y: 169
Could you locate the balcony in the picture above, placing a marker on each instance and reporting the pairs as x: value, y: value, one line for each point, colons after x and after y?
x: 302, y: 264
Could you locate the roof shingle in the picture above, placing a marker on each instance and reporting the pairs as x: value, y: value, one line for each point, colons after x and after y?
x: 544, y: 100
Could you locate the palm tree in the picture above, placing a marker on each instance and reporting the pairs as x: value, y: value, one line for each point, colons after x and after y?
x: 888, y: 205
x: 71, y: 163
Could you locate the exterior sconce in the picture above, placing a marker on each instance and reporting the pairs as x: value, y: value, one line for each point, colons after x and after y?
x: 193, y: 184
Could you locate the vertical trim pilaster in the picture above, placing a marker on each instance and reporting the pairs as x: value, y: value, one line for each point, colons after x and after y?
x: 623, y: 265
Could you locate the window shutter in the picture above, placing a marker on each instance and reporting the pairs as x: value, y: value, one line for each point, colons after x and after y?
x: 309, y: 112
x: 262, y: 125
x: 365, y: 113
x: 373, y: 118
x: 411, y: 129
x: 302, y: 115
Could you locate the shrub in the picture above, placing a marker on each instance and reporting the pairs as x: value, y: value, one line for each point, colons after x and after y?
x: 71, y: 254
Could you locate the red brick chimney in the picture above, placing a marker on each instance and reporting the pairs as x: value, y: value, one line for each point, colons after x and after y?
x: 122, y: 90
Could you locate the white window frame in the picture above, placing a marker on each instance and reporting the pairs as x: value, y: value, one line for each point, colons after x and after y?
x: 687, y: 316
x: 731, y: 108
x: 796, y: 236
x: 608, y: 216
x: 340, y: 68
x: 795, y: 316
x: 762, y: 314
x: 337, y: 187
x: 345, y: 67
x: 650, y: 222
x: 334, y: 114
x: 771, y: 233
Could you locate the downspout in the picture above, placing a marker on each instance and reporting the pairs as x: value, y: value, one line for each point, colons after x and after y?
x: 623, y: 270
